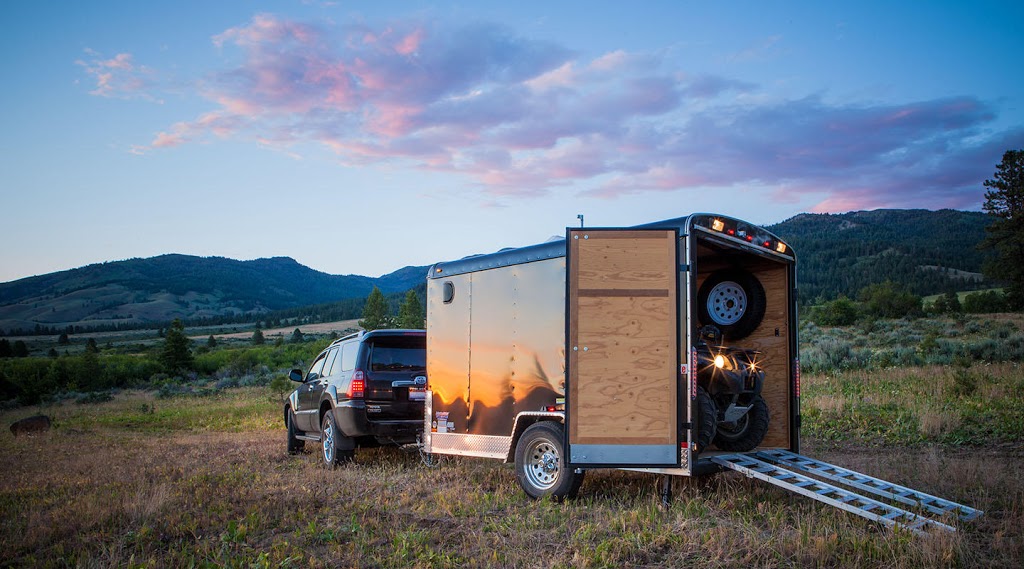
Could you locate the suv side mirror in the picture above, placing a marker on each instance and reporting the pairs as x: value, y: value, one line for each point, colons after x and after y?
x: 295, y: 375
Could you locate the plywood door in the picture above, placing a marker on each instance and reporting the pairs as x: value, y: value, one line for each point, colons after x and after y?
x: 622, y: 345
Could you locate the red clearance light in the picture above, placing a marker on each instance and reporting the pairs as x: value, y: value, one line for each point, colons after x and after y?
x: 357, y: 387
x: 731, y: 231
x: 767, y: 244
x: 796, y: 375
x: 750, y: 238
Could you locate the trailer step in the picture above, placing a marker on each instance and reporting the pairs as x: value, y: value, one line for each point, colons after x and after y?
x: 832, y: 495
x: 870, y: 484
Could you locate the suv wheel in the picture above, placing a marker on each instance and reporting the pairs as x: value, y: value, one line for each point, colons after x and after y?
x: 332, y: 438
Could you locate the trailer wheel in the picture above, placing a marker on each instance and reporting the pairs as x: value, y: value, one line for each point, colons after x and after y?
x: 333, y: 439
x: 540, y: 463
x: 295, y: 445
x: 707, y: 420
x: 733, y: 300
x: 746, y: 433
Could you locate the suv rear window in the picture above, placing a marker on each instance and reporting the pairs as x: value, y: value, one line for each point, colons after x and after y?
x: 400, y: 353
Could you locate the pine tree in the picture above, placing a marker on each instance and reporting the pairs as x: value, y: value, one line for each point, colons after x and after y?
x: 257, y: 337
x: 176, y: 355
x: 410, y: 314
x: 1005, y: 201
x: 375, y: 313
x: 297, y: 336
x: 211, y: 342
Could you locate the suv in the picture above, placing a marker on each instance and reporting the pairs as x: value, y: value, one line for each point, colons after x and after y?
x: 363, y: 390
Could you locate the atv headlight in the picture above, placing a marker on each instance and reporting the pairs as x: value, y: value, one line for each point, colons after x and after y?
x: 720, y: 361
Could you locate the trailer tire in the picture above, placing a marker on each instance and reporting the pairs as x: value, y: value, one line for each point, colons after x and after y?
x: 295, y: 445
x: 540, y: 463
x: 734, y: 301
x: 748, y: 432
x: 707, y: 420
x: 333, y: 452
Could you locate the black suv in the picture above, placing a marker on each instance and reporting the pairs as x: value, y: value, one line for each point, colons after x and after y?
x: 363, y: 390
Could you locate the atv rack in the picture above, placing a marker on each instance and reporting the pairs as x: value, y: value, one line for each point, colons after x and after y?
x: 769, y: 466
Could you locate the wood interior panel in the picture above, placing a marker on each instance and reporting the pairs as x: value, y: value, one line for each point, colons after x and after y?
x: 623, y: 328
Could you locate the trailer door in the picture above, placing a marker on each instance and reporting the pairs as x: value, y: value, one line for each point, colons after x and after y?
x: 622, y: 352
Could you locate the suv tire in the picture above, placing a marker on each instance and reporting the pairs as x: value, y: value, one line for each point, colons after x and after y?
x: 295, y: 445
x: 333, y: 439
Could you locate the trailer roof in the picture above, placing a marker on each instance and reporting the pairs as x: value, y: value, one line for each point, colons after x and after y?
x: 555, y: 249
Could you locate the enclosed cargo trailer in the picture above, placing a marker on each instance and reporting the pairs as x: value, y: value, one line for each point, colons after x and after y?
x: 665, y: 348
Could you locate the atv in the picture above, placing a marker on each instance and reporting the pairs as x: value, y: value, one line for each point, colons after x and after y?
x: 730, y: 410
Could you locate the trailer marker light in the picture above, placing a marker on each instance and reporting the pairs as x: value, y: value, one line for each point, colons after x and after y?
x: 718, y: 225
x: 796, y: 375
x: 750, y: 238
x: 781, y: 247
x: 767, y: 244
x: 731, y: 232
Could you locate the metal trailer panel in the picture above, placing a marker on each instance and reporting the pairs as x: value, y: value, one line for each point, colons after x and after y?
x: 495, y: 351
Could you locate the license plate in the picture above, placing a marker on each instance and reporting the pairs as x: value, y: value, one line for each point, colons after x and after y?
x: 417, y: 394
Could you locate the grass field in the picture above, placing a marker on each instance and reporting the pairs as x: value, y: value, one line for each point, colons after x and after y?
x: 205, y: 481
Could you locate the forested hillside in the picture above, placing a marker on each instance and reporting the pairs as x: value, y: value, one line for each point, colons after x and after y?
x: 155, y: 290
x: 927, y: 251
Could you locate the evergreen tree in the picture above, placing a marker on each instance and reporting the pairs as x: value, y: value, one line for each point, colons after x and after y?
x: 176, y: 355
x: 63, y: 339
x: 91, y: 346
x: 52, y: 353
x: 952, y: 302
x: 5, y: 349
x: 410, y: 314
x: 1005, y: 201
x: 211, y: 342
x: 257, y: 337
x: 297, y: 336
x: 20, y: 349
x: 375, y: 313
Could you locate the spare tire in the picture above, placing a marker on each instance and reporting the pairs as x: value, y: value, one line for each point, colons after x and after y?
x: 734, y: 301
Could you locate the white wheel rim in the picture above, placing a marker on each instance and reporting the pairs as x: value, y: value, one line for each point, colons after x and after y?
x: 329, y: 443
x: 542, y: 464
x: 727, y: 303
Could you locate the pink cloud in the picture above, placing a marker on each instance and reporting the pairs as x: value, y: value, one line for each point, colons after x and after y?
x: 524, y: 117
x: 117, y: 77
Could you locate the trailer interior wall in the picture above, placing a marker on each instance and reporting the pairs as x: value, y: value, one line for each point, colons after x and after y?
x: 771, y: 337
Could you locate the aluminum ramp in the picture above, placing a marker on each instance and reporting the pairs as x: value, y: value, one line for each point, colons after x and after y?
x: 834, y: 496
x: 866, y: 483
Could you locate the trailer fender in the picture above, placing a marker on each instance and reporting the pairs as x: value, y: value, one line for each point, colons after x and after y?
x: 523, y: 422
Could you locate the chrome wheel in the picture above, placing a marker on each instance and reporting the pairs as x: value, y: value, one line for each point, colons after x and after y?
x: 328, y: 441
x: 542, y: 464
x: 727, y: 302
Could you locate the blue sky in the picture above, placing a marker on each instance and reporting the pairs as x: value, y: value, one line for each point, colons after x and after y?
x: 360, y: 137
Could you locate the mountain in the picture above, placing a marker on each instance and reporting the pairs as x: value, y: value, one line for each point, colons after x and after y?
x: 927, y: 251
x: 159, y: 289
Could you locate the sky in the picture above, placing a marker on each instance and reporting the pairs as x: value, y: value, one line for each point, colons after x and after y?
x: 358, y: 137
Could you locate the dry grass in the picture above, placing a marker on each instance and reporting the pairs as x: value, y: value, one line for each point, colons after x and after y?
x: 108, y: 488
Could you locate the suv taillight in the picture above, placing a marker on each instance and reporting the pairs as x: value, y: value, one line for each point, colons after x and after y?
x: 357, y: 387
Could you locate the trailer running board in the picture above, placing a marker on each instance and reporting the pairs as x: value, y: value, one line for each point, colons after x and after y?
x: 842, y: 498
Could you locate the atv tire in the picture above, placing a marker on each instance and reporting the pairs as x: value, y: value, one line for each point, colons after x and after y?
x: 746, y: 433
x: 706, y: 421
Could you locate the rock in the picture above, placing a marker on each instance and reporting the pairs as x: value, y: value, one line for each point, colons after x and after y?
x: 28, y: 425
